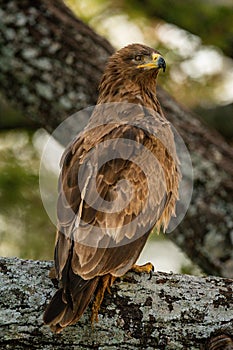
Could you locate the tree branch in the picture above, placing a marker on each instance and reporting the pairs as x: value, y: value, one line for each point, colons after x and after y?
x: 50, y: 62
x: 167, y: 312
x: 50, y: 66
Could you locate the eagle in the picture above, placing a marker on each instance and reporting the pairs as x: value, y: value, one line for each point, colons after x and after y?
x: 119, y: 181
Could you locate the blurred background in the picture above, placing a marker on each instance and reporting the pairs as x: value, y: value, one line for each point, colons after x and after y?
x: 195, y: 37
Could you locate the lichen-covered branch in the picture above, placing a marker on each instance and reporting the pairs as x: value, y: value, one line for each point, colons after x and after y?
x: 50, y: 62
x: 50, y: 66
x: 167, y: 312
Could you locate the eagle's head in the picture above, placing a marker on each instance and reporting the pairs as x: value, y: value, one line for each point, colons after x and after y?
x: 138, y: 58
x: 133, y: 65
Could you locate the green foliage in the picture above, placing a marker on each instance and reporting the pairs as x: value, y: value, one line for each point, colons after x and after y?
x: 25, y: 229
x: 210, y: 20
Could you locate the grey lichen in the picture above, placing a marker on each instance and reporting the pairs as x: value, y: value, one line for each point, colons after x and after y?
x: 44, y: 90
x: 43, y: 64
x: 169, y: 309
x: 30, y: 52
x: 10, y: 33
x: 65, y: 102
x: 20, y: 19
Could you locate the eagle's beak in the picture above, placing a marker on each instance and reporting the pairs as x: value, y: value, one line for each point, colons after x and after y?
x: 156, y: 61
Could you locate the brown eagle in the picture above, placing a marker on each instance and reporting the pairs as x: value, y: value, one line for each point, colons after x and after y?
x: 119, y: 180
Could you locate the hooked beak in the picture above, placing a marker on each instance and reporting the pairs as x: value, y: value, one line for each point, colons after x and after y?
x: 156, y: 62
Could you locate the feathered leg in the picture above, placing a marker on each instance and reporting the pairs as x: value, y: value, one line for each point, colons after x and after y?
x: 105, y: 283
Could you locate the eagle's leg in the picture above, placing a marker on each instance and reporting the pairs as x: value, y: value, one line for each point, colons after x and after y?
x: 52, y: 273
x: 105, y: 283
x: 148, y: 268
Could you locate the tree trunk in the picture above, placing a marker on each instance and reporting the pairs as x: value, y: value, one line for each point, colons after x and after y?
x: 167, y: 312
x: 50, y: 66
x: 50, y: 62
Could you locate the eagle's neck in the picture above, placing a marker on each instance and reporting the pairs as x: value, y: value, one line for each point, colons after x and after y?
x: 122, y: 90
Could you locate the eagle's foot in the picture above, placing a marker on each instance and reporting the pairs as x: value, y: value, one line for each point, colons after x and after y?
x: 105, y: 283
x: 146, y: 268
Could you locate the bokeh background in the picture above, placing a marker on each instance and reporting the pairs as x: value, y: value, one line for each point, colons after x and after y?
x: 195, y: 37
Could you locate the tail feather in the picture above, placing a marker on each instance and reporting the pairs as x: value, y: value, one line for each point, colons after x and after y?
x: 67, y: 306
x: 55, y: 308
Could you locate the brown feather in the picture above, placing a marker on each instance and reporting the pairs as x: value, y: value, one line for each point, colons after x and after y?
x: 90, y: 241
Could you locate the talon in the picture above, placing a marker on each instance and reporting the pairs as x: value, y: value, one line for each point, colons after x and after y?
x: 147, y: 268
x: 151, y: 271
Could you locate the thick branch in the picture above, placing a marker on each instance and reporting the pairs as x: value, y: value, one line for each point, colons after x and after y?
x: 50, y: 66
x: 50, y: 62
x: 167, y: 312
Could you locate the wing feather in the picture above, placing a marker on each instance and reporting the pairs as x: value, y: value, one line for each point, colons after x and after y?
x: 99, y: 244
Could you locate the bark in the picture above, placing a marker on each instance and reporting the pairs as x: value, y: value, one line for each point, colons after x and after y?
x: 50, y: 62
x: 167, y: 312
x: 50, y: 66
